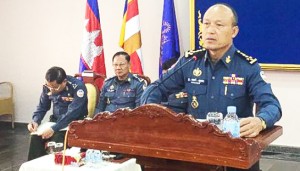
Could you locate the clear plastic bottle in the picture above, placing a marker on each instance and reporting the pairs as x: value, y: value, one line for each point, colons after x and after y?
x: 231, y: 122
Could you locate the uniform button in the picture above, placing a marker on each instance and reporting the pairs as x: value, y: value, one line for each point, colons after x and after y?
x: 213, y: 77
x: 231, y: 94
x: 212, y: 97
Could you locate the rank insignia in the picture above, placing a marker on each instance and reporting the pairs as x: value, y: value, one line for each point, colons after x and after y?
x: 250, y: 59
x: 197, y: 72
x: 228, y: 59
x: 74, y: 86
x: 194, y: 103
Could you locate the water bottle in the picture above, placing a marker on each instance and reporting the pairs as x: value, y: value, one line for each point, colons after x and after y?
x: 97, y: 156
x: 89, y: 156
x: 231, y: 122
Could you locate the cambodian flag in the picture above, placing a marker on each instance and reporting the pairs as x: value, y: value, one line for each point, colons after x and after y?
x: 169, y: 43
x: 92, y: 54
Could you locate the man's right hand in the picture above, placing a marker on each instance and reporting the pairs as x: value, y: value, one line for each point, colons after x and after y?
x: 32, y: 126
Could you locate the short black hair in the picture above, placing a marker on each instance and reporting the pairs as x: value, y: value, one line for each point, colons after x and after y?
x: 127, y: 57
x: 56, y: 74
x: 170, y: 62
x: 235, y: 16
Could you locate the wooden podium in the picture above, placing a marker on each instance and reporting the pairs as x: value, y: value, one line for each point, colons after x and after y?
x: 162, y: 140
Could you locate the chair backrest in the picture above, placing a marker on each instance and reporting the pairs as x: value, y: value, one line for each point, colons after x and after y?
x: 146, y: 78
x: 89, y: 78
x: 92, y: 94
x: 6, y: 100
x: 6, y: 90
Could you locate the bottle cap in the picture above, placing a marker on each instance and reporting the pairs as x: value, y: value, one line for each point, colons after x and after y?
x: 231, y: 109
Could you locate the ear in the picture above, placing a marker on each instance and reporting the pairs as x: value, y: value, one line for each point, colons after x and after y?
x: 235, y: 31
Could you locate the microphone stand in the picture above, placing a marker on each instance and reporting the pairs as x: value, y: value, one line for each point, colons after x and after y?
x: 194, y: 58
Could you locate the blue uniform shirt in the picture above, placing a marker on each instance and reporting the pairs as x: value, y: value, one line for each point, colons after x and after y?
x: 177, y: 102
x: 117, y: 94
x: 235, y: 80
x: 68, y: 105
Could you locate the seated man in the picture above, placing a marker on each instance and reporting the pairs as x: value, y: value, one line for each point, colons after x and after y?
x: 69, y: 98
x: 123, y: 90
x: 176, y: 101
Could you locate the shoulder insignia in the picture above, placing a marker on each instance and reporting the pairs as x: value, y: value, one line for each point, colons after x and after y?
x: 138, y: 77
x: 250, y: 59
x: 108, y: 79
x: 198, y: 52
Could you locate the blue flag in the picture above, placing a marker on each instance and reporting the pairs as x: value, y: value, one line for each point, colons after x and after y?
x: 169, y: 43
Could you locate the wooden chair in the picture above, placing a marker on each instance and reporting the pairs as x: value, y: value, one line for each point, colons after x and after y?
x: 89, y: 78
x: 146, y: 78
x: 6, y: 100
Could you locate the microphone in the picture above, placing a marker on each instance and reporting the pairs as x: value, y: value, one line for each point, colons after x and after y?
x: 194, y: 58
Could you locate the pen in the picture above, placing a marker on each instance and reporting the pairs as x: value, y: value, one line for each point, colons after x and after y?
x: 225, y: 91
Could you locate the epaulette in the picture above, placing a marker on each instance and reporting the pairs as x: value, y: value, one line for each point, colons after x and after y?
x: 109, y: 78
x: 250, y: 59
x: 198, y: 53
x: 140, y: 79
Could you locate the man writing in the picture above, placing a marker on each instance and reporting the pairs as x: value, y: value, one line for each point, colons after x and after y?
x: 69, y: 98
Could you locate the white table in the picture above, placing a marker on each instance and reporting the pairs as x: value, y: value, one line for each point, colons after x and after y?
x: 46, y: 163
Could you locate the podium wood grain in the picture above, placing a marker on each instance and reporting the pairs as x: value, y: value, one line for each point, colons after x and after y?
x: 160, y: 138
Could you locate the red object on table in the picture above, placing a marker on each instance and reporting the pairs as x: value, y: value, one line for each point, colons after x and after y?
x: 58, y: 159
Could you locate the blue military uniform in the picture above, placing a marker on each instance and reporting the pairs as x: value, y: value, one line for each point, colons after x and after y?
x: 235, y: 80
x: 68, y: 105
x: 178, y: 102
x: 117, y: 94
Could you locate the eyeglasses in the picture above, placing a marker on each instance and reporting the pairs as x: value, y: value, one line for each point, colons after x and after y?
x: 121, y: 65
x: 52, y: 88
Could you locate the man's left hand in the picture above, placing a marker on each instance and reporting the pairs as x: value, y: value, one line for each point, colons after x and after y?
x: 47, y: 133
x: 250, y: 127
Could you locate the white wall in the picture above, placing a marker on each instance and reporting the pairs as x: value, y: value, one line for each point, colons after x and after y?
x: 38, y: 34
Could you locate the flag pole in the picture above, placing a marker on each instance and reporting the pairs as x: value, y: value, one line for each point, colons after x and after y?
x: 192, y: 24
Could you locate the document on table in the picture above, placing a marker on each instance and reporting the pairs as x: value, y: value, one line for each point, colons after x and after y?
x: 43, y: 126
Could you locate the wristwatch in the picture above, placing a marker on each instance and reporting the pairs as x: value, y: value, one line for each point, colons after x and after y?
x: 263, y: 123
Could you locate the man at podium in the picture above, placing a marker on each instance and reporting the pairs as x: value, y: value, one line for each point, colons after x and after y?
x: 219, y: 75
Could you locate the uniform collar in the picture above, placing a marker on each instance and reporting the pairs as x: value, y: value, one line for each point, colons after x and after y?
x: 128, y: 79
x: 227, y: 58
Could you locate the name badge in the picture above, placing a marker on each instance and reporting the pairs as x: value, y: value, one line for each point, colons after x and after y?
x: 197, y: 81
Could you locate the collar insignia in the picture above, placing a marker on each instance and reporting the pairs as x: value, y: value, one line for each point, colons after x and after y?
x: 228, y: 59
